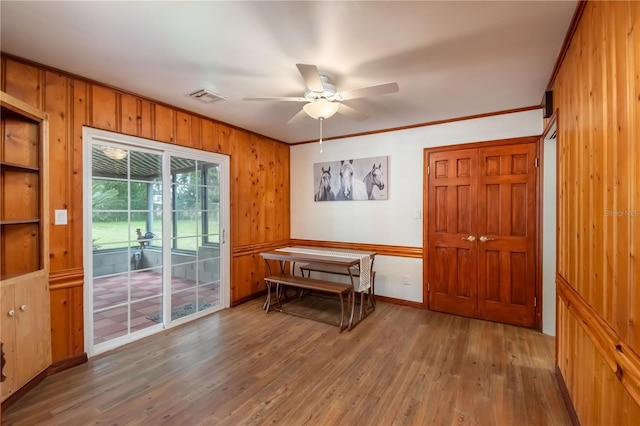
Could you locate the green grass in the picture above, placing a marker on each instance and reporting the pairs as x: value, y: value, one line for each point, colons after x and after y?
x: 108, y: 235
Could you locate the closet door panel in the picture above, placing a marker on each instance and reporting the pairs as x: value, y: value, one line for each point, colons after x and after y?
x: 506, y: 234
x: 452, y: 253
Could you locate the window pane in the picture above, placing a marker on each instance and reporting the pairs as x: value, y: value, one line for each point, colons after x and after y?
x: 110, y: 291
x: 185, y: 197
x: 109, y: 161
x: 183, y: 303
x: 213, y: 195
x: 109, y: 194
x: 211, y: 204
x: 146, y: 166
x: 109, y: 324
x: 145, y: 228
x: 208, y: 271
x: 146, y: 313
x: 190, y: 244
x: 184, y: 171
x: 186, y: 298
x: 146, y: 195
x: 109, y: 259
x: 154, y: 225
x: 156, y: 189
x: 152, y: 255
x: 110, y: 228
x: 213, y: 171
x: 139, y: 200
x: 146, y: 283
x: 213, y: 221
x: 208, y: 296
x: 186, y: 223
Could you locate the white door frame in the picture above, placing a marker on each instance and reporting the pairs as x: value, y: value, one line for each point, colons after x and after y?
x: 549, y: 226
x: 91, y: 136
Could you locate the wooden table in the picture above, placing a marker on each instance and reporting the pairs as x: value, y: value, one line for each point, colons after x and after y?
x: 332, y: 258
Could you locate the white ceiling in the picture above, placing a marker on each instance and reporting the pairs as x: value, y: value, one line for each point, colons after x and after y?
x: 450, y: 59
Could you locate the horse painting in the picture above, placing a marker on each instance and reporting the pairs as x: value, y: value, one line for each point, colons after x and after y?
x: 324, y: 188
x: 355, y: 179
x: 350, y: 188
x: 374, y: 179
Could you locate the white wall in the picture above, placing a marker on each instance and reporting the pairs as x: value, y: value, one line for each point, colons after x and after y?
x: 392, y: 221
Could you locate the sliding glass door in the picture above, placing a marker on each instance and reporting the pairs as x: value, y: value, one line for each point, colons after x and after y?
x: 195, y: 243
x: 126, y: 229
x: 155, y: 253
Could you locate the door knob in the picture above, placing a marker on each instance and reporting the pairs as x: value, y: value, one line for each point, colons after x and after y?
x: 470, y: 238
x: 11, y: 312
x: 23, y: 308
x: 484, y: 239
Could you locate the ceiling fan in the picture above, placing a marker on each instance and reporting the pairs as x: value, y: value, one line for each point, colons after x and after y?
x: 323, y: 100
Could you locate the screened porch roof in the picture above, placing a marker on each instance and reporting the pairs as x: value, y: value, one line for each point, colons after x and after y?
x: 143, y: 165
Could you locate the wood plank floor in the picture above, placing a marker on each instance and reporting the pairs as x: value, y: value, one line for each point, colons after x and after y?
x: 241, y: 366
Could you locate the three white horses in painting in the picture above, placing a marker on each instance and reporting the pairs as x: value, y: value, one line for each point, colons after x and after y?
x: 350, y: 187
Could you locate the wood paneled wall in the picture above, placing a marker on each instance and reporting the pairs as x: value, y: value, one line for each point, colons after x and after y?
x: 599, y: 398
x: 259, y: 180
x: 597, y: 95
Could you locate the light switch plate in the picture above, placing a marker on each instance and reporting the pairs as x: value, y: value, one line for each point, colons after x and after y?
x: 60, y: 217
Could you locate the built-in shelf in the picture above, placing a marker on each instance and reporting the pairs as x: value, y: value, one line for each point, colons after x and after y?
x: 18, y: 167
x: 24, y: 251
x: 19, y: 221
x: 23, y: 156
x: 12, y: 107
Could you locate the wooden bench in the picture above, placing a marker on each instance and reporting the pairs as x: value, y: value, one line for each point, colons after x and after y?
x: 355, y: 272
x: 304, y: 283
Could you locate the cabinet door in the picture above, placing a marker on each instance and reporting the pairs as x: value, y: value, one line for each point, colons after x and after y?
x: 27, y: 333
x: 8, y: 338
x: 33, y: 330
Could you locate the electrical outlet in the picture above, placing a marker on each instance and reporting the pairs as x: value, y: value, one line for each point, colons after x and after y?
x: 405, y: 279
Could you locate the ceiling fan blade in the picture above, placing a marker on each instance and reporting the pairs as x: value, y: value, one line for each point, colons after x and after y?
x: 352, y: 112
x: 379, y: 89
x: 299, y: 116
x: 311, y: 77
x: 275, y: 98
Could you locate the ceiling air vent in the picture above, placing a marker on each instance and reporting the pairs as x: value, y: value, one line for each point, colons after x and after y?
x: 206, y: 96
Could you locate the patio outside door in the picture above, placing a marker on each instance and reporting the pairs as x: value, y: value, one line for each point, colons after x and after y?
x: 196, y: 234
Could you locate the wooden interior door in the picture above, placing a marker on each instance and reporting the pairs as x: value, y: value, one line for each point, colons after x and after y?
x: 452, y: 223
x: 506, y: 234
x: 481, y: 233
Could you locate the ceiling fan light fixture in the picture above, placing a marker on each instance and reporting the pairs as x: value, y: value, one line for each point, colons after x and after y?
x: 320, y: 108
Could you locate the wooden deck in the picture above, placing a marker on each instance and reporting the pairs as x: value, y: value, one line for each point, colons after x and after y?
x: 242, y: 366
